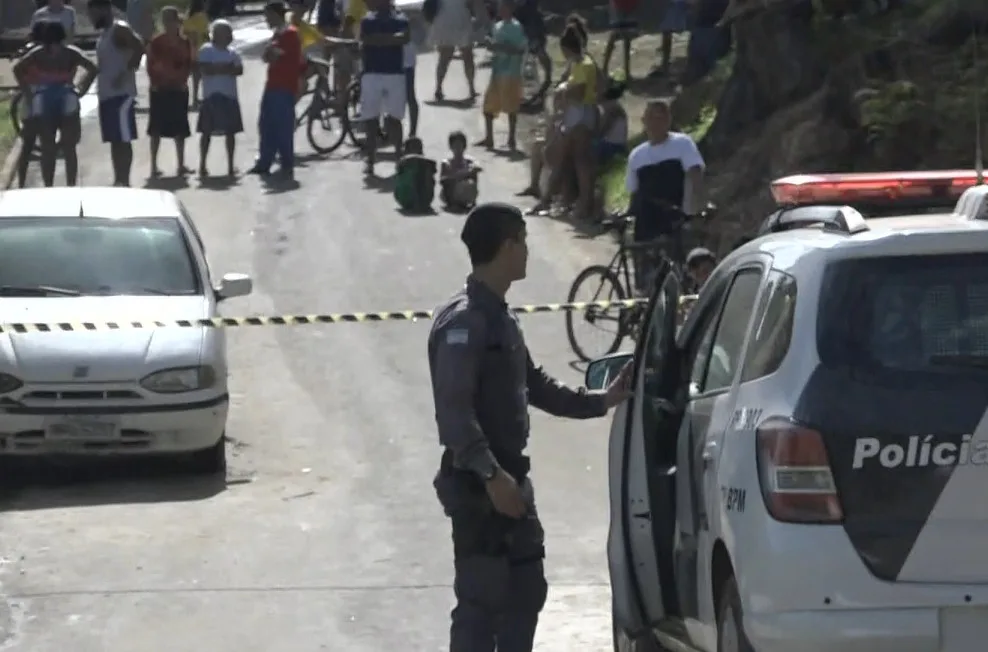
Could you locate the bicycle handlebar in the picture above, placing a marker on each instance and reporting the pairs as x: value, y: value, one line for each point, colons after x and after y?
x: 623, y: 219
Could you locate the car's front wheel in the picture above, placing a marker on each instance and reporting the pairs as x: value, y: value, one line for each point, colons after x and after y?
x: 730, y: 630
x: 209, y: 461
x: 625, y: 642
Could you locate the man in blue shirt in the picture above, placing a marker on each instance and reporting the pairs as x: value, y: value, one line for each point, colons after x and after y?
x: 384, y: 32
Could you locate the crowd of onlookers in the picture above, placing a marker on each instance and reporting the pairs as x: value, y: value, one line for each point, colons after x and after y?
x: 191, y: 66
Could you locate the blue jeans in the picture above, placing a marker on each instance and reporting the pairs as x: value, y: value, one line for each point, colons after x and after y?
x: 276, y: 128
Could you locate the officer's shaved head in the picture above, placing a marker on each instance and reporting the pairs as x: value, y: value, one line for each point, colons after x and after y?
x: 488, y: 227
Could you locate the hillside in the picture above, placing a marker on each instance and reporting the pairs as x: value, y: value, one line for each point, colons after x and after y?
x: 810, y: 93
x: 806, y: 90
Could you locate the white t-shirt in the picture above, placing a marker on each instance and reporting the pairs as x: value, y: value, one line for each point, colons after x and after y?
x: 677, y: 147
x: 218, y: 84
x: 66, y: 16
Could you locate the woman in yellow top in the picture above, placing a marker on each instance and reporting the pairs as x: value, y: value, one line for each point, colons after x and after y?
x: 579, y: 95
x: 196, y: 28
x: 312, y: 40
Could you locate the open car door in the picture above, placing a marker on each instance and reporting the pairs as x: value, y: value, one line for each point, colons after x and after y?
x: 641, y: 476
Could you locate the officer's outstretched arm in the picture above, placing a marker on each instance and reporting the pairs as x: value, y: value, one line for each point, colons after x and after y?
x: 548, y: 394
x: 459, y: 347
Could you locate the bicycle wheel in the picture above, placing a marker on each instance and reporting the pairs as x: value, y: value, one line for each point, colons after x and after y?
x: 607, y: 325
x: 324, y: 136
x: 354, y: 126
x: 302, y: 107
x: 536, y: 77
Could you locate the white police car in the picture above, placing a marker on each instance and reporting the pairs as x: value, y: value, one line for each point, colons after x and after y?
x: 803, y: 467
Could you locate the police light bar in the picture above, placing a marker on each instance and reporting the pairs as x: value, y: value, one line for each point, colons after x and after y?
x: 873, y: 187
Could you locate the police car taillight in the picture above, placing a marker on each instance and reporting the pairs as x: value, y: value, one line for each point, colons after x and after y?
x: 873, y: 187
x: 794, y: 471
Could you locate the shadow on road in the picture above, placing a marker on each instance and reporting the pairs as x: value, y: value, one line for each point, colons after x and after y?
x: 219, y: 182
x: 380, y: 184
x: 427, y: 213
x: 166, y: 183
x: 465, y: 103
x: 36, y: 484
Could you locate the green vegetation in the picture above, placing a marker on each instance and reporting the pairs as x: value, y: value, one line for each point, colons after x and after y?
x: 7, y: 134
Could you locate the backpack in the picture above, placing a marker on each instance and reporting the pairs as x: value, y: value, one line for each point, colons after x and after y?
x: 415, y: 183
x: 429, y: 10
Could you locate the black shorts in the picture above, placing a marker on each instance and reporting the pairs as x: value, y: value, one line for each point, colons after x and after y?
x: 168, y: 113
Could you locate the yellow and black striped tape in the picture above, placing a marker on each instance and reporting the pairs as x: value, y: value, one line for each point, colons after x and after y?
x: 293, y: 320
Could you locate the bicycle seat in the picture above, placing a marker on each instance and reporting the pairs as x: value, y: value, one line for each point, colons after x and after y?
x: 618, y: 223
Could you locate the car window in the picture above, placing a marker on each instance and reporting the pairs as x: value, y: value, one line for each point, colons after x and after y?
x: 94, y: 256
x: 772, y: 329
x: 915, y: 314
x: 724, y: 356
x: 699, y: 367
x: 198, y: 240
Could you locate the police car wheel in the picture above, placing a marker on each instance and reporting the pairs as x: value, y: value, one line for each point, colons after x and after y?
x: 730, y: 632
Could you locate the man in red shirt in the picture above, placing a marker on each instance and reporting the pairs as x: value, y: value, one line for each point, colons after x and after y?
x: 169, y: 64
x: 277, y: 121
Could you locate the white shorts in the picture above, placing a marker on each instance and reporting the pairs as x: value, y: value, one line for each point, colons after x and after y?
x: 382, y: 95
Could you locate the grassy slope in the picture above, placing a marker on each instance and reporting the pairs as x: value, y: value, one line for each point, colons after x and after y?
x: 6, y: 130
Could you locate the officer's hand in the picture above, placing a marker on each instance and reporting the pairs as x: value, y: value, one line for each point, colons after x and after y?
x: 620, y: 390
x: 506, y: 495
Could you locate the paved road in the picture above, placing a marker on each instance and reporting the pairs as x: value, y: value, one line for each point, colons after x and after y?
x: 327, y: 536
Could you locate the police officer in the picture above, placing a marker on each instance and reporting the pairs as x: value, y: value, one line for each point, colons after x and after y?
x: 483, y: 380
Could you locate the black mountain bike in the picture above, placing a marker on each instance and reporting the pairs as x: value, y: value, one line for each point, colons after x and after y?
x: 635, y: 265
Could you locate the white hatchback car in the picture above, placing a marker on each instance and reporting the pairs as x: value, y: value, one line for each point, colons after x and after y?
x: 109, y: 255
x: 803, y: 465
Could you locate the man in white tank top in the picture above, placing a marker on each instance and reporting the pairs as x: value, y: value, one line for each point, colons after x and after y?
x: 118, y: 52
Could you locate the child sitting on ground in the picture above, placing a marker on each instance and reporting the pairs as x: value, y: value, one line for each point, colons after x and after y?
x: 415, y: 181
x: 458, y: 176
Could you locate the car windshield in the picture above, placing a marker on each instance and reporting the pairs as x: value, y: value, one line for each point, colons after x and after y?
x: 926, y: 314
x: 91, y: 256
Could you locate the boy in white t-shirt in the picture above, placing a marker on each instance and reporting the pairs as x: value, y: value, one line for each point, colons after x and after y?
x: 220, y: 112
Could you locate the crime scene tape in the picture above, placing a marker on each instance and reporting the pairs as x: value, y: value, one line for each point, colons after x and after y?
x: 297, y: 320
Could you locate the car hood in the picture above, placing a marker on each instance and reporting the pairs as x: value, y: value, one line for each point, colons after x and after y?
x: 102, y: 355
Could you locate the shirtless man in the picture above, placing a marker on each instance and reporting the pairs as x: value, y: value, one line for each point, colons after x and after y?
x: 47, y: 74
x: 118, y: 54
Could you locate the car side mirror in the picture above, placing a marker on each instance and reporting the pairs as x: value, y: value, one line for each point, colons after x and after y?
x: 234, y: 285
x: 602, y: 371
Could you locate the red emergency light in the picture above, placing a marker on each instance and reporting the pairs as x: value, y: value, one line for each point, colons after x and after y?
x: 872, y: 187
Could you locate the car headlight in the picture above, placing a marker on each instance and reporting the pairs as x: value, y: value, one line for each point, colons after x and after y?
x: 8, y: 383
x: 182, y: 379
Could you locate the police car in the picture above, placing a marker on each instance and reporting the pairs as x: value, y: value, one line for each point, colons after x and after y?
x: 803, y: 465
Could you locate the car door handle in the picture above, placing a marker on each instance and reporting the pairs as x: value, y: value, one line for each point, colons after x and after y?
x: 707, y: 456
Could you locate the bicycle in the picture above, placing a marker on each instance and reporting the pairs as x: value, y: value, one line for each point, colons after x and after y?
x: 536, y: 74
x: 320, y: 111
x: 616, y: 281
